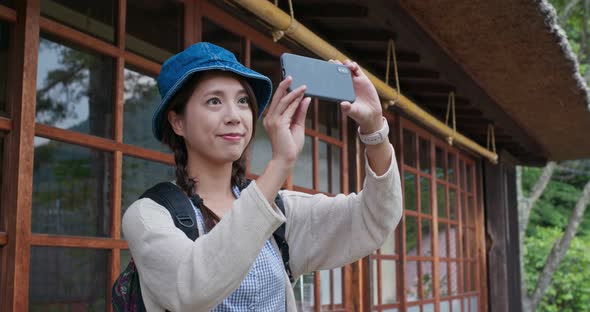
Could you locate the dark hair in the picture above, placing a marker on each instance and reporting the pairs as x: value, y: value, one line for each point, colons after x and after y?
x: 176, y: 143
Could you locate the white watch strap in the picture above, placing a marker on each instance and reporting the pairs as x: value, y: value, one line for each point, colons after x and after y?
x: 376, y: 137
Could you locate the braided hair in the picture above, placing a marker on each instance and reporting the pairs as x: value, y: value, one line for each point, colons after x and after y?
x: 177, y: 144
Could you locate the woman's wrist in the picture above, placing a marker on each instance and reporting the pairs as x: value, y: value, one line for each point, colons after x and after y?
x: 371, y: 125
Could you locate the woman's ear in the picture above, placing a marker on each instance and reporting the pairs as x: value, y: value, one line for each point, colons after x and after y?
x: 176, y: 122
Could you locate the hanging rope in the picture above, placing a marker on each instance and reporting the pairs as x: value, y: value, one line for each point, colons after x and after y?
x: 391, y: 54
x: 492, y: 138
x: 278, y: 34
x: 451, y: 106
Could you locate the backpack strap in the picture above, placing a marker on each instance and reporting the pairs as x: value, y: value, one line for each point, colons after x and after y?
x: 170, y: 196
x: 279, y: 235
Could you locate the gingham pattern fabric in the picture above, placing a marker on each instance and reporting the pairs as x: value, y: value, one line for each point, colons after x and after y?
x: 263, y: 289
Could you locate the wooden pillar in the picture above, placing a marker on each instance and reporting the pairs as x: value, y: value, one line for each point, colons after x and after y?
x: 18, y: 173
x: 502, y: 241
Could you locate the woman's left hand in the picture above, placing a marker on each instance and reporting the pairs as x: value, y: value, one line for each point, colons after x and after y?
x: 366, y: 109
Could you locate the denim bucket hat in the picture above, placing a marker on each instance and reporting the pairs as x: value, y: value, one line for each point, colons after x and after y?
x: 200, y: 57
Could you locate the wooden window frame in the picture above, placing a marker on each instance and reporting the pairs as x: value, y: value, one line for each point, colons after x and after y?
x: 477, y: 259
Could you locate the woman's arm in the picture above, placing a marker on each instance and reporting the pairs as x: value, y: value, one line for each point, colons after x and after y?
x: 184, y: 275
x: 328, y: 232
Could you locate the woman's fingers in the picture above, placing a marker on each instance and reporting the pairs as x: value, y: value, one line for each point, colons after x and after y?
x: 286, y: 101
x: 279, y: 94
x: 301, y: 113
x: 292, y: 107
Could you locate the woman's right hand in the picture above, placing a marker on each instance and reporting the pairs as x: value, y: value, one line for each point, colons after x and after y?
x: 285, y: 123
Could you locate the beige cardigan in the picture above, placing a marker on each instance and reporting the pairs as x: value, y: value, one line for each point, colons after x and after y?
x: 323, y: 232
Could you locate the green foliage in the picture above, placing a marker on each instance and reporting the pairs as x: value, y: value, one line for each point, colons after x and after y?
x: 569, y: 289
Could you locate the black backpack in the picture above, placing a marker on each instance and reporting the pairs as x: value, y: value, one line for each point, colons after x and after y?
x: 126, y: 293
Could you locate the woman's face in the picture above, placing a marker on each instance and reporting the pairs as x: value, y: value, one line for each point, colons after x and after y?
x: 217, y: 122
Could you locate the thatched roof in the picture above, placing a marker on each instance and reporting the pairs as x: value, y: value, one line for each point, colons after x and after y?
x: 516, y: 52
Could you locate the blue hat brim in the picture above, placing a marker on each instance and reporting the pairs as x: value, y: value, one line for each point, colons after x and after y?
x: 261, y: 85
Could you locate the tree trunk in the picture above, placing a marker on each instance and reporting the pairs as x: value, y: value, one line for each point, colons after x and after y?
x: 560, y: 248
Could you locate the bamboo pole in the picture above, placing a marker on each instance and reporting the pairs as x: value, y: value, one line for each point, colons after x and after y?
x: 278, y: 19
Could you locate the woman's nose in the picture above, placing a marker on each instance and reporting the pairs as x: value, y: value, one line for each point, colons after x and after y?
x: 232, y: 114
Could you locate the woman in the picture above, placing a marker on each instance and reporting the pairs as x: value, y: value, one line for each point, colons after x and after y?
x: 210, y: 104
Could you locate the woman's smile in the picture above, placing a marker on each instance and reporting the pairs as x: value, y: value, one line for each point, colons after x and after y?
x: 232, y: 137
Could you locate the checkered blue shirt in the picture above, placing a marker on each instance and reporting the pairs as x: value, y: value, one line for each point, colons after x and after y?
x: 263, y: 289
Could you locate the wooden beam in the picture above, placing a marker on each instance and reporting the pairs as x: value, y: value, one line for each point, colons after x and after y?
x: 18, y: 175
x: 3, y: 238
x: 7, y: 14
x: 77, y: 242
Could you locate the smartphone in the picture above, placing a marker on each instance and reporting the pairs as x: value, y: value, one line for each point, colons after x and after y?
x: 324, y: 80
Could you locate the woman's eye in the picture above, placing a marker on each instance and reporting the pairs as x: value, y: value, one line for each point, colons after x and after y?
x: 214, y: 101
x: 244, y: 100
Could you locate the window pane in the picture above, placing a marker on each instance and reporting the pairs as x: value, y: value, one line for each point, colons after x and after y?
x: 472, y: 211
x: 310, y: 114
x: 74, y: 89
x: 410, y: 191
x: 442, y: 239
x: 426, y: 242
x: 388, y: 247
x: 474, y: 274
x: 337, y: 285
x: 224, y: 38
x: 453, y: 241
x: 411, y: 236
x: 445, y: 307
x: 139, y: 175
x: 472, y: 243
x: 303, y: 172
x: 325, y: 287
x: 95, y: 18
x: 428, y: 307
x: 329, y: 178
x: 468, y: 172
x: 124, y: 258
x: 454, y: 279
x: 461, y: 174
x: 388, y: 282
x: 474, y: 307
x: 443, y: 279
x: 266, y: 64
x: 260, y: 150
x: 71, y: 189
x: 154, y: 28
x: 409, y: 148
x: 425, y: 195
x: 440, y: 163
x: 452, y: 168
x: 4, y: 49
x: 456, y: 305
x: 329, y: 119
x: 466, y: 276
x: 427, y: 280
x: 441, y: 201
x: 453, y: 203
x: 414, y: 309
x: 424, y: 155
x: 412, y: 281
x: 68, y: 279
x: 304, y: 291
x: 141, y: 96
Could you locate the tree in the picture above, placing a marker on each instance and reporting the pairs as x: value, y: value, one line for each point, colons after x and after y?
x: 573, y: 17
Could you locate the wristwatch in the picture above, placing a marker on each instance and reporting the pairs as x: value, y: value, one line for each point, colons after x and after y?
x: 376, y: 137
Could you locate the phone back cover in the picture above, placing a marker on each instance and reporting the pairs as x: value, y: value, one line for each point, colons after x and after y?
x: 324, y: 80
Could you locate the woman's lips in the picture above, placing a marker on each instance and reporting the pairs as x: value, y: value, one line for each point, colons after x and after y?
x: 232, y: 136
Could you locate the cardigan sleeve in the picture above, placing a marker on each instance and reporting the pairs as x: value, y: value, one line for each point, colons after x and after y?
x: 327, y: 232
x: 184, y: 275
